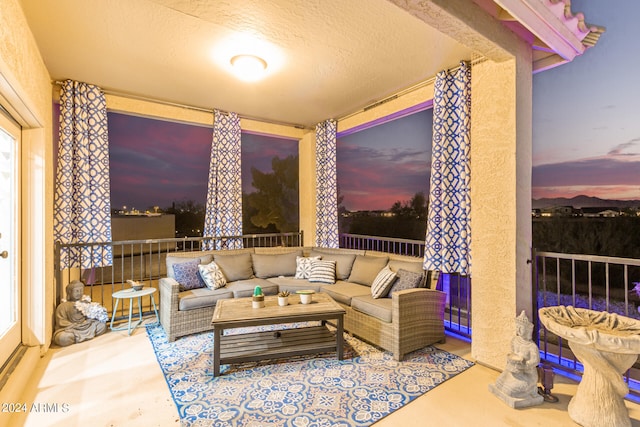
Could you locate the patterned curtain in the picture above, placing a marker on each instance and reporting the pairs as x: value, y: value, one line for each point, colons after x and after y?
x: 448, y: 228
x: 326, y: 185
x: 224, y: 194
x: 82, y: 199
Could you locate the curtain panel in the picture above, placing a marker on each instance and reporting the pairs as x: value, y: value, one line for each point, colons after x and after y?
x: 447, y: 243
x: 82, y: 205
x: 326, y: 185
x: 223, y: 216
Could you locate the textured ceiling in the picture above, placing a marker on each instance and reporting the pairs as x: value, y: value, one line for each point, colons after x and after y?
x: 327, y: 58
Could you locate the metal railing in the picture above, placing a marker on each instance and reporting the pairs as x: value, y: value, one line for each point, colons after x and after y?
x: 144, y: 262
x: 598, y: 283
x: 141, y: 260
x: 457, y: 287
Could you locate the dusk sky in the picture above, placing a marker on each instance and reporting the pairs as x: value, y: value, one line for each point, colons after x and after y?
x: 586, y: 116
x: 385, y: 164
x: 155, y: 162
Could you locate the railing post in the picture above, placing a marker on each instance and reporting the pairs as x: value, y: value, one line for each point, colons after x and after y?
x: 58, y: 271
x: 534, y: 290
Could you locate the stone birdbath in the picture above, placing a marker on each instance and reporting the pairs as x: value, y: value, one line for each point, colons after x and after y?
x: 607, y: 345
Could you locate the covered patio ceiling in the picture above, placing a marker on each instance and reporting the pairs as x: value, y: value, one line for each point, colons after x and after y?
x: 325, y: 58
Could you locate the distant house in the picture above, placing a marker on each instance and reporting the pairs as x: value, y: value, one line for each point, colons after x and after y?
x: 559, y: 211
x: 606, y: 212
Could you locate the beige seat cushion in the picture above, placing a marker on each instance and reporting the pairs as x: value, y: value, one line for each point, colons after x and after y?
x: 244, y: 288
x: 202, y: 297
x: 379, y: 308
x: 292, y: 284
x: 343, y: 291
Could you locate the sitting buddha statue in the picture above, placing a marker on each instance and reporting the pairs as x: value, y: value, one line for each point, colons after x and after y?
x: 72, y: 325
x: 517, y: 385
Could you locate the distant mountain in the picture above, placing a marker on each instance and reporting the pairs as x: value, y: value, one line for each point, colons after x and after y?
x: 583, y: 202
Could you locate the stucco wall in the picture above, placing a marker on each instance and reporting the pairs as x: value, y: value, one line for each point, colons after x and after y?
x: 25, y: 91
x: 500, y: 232
x: 500, y: 170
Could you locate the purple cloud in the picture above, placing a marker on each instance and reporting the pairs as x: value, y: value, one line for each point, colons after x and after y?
x: 595, y: 172
x: 373, y: 179
x: 622, y: 149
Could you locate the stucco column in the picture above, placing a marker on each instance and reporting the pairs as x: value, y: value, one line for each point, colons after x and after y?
x: 501, y: 205
x: 307, y: 186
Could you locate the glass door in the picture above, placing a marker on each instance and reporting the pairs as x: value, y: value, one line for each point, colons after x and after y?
x: 10, y: 313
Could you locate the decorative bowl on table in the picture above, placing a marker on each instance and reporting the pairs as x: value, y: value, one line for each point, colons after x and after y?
x: 136, y: 286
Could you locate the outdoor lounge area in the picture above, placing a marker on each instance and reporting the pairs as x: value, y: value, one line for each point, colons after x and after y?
x: 338, y: 67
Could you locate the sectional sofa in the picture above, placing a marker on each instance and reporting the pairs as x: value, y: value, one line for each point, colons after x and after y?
x: 409, y: 317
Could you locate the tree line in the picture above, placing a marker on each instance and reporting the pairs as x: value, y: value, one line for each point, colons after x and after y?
x: 272, y: 208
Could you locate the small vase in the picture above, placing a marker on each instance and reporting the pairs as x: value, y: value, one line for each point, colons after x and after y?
x: 282, y: 301
x: 306, y: 298
x: 258, y: 301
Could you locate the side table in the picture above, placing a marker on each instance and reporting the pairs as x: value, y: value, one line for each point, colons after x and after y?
x: 131, y: 294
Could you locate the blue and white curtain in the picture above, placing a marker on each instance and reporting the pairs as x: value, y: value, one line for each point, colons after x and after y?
x: 326, y: 185
x: 82, y: 198
x: 447, y: 243
x: 224, y: 194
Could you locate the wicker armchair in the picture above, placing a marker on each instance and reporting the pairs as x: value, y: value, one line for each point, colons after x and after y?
x: 175, y: 322
x: 417, y: 321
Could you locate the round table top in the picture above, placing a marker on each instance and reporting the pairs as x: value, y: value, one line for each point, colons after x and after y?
x: 130, y: 293
x: 600, y: 330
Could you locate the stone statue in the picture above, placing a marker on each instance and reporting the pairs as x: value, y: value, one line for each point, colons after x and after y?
x: 517, y: 385
x: 72, y: 324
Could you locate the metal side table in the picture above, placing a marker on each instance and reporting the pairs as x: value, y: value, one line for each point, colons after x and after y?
x: 131, y: 294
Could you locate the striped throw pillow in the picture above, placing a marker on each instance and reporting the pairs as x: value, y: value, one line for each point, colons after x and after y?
x: 382, y: 283
x: 303, y: 266
x: 323, y: 271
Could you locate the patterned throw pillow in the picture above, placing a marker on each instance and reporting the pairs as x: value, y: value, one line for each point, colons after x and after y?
x: 323, y: 272
x: 406, y: 280
x: 186, y: 273
x: 382, y: 283
x: 212, y: 275
x: 303, y: 266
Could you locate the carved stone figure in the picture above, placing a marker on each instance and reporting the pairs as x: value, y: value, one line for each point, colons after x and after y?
x: 72, y: 325
x: 517, y: 385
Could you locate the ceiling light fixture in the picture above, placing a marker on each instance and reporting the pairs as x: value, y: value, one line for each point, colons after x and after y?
x: 248, y: 67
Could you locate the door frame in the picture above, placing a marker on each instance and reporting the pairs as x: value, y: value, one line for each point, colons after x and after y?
x: 12, y: 339
x: 36, y: 163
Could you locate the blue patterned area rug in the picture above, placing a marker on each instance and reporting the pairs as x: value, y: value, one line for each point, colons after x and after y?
x: 309, y: 391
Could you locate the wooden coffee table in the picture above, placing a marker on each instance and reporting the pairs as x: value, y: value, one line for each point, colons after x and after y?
x: 254, y: 346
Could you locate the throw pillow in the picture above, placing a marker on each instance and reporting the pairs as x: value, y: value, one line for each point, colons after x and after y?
x: 186, y: 274
x: 274, y: 265
x: 303, y: 266
x: 344, y: 262
x: 235, y: 267
x: 212, y: 275
x: 173, y: 260
x: 323, y: 272
x: 366, y: 268
x: 382, y: 283
x: 406, y: 280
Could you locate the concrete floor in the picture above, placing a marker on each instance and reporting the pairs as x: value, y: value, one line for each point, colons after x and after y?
x: 115, y: 380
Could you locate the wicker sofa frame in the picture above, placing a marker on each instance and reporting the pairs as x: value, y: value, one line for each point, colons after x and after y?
x: 417, y: 314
